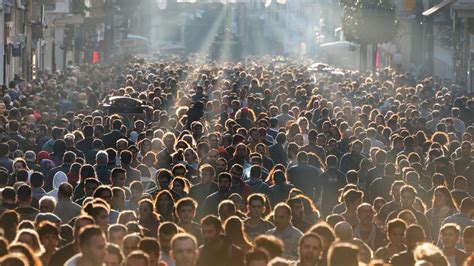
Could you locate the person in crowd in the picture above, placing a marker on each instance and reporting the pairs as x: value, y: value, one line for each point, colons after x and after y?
x: 395, y: 235
x: 184, y: 249
x: 413, y: 236
x: 285, y: 231
x: 216, y: 246
x: 450, y: 237
x: 92, y: 244
x: 274, y: 148
x: 256, y: 224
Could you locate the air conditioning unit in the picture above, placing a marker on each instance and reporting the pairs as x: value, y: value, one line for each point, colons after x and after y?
x: 62, y: 7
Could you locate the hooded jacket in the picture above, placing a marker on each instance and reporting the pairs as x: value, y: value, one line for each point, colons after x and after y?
x: 59, y: 178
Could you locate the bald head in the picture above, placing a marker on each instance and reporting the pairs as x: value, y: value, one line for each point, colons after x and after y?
x: 343, y: 231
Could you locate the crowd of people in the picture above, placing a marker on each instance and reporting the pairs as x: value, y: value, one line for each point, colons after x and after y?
x: 255, y: 163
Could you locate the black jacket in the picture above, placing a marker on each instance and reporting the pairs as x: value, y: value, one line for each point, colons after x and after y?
x: 305, y: 177
x: 110, y: 139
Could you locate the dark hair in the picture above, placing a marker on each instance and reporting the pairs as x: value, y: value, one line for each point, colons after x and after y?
x: 115, y: 250
x: 9, y: 193
x: 256, y: 197
x: 24, y: 193
x: 343, y: 254
x: 37, y: 179
x: 86, y: 233
x: 116, y: 171
x: 47, y: 228
x: 168, y: 228
x: 323, y: 229
x: 185, y: 202
x: 467, y: 204
x: 396, y: 223
x: 212, y: 220
x: 149, y: 245
x: 224, y: 175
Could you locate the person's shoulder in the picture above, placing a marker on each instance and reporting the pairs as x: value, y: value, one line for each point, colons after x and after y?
x: 296, y: 232
x: 270, y: 231
x: 380, y: 252
x: 269, y: 224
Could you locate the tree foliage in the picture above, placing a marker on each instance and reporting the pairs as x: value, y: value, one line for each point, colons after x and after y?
x: 368, y: 21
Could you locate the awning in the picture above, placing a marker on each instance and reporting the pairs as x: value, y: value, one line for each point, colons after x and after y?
x: 437, y: 8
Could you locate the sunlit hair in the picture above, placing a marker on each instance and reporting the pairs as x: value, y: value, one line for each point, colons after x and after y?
x: 234, y: 230
x: 447, y: 194
x: 37, y: 248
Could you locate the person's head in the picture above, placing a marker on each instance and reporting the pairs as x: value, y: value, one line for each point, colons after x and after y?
x: 23, y: 251
x: 271, y: 244
x: 151, y: 247
x: 467, y: 207
x: 102, y: 158
x: 396, y: 232
x: 163, y: 178
x: 36, y: 179
x: 103, y: 192
x: 282, y: 216
x: 224, y: 182
x: 460, y: 183
x: 90, y: 185
x: 407, y: 196
x: 234, y: 229
x: 468, y: 239
x: 117, y: 233
x: 211, y: 229
x: 442, y: 198
x: 184, y: 249
x: 429, y: 254
x: 137, y: 258
x: 353, y: 198
x: 47, y: 204
x: 99, y: 211
x: 256, y: 257
x: 164, y: 203
x: 24, y: 194
x: 145, y: 210
x: 166, y: 231
x: 226, y: 209
x: 113, y: 255
x: 92, y: 243
x: 65, y: 191
x: 256, y: 205
x: 236, y: 172
x: 118, y: 176
x: 185, y: 210
x: 14, y: 259
x: 356, y: 147
x: 130, y: 243
x: 343, y: 254
x: 450, y: 235
x: 81, y: 222
x: 49, y: 236
x: 207, y: 173
x: 395, y: 189
x: 408, y: 217
x: 297, y: 206
x: 414, y: 235
x: 310, y: 249
x: 31, y: 239
x: 365, y: 214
